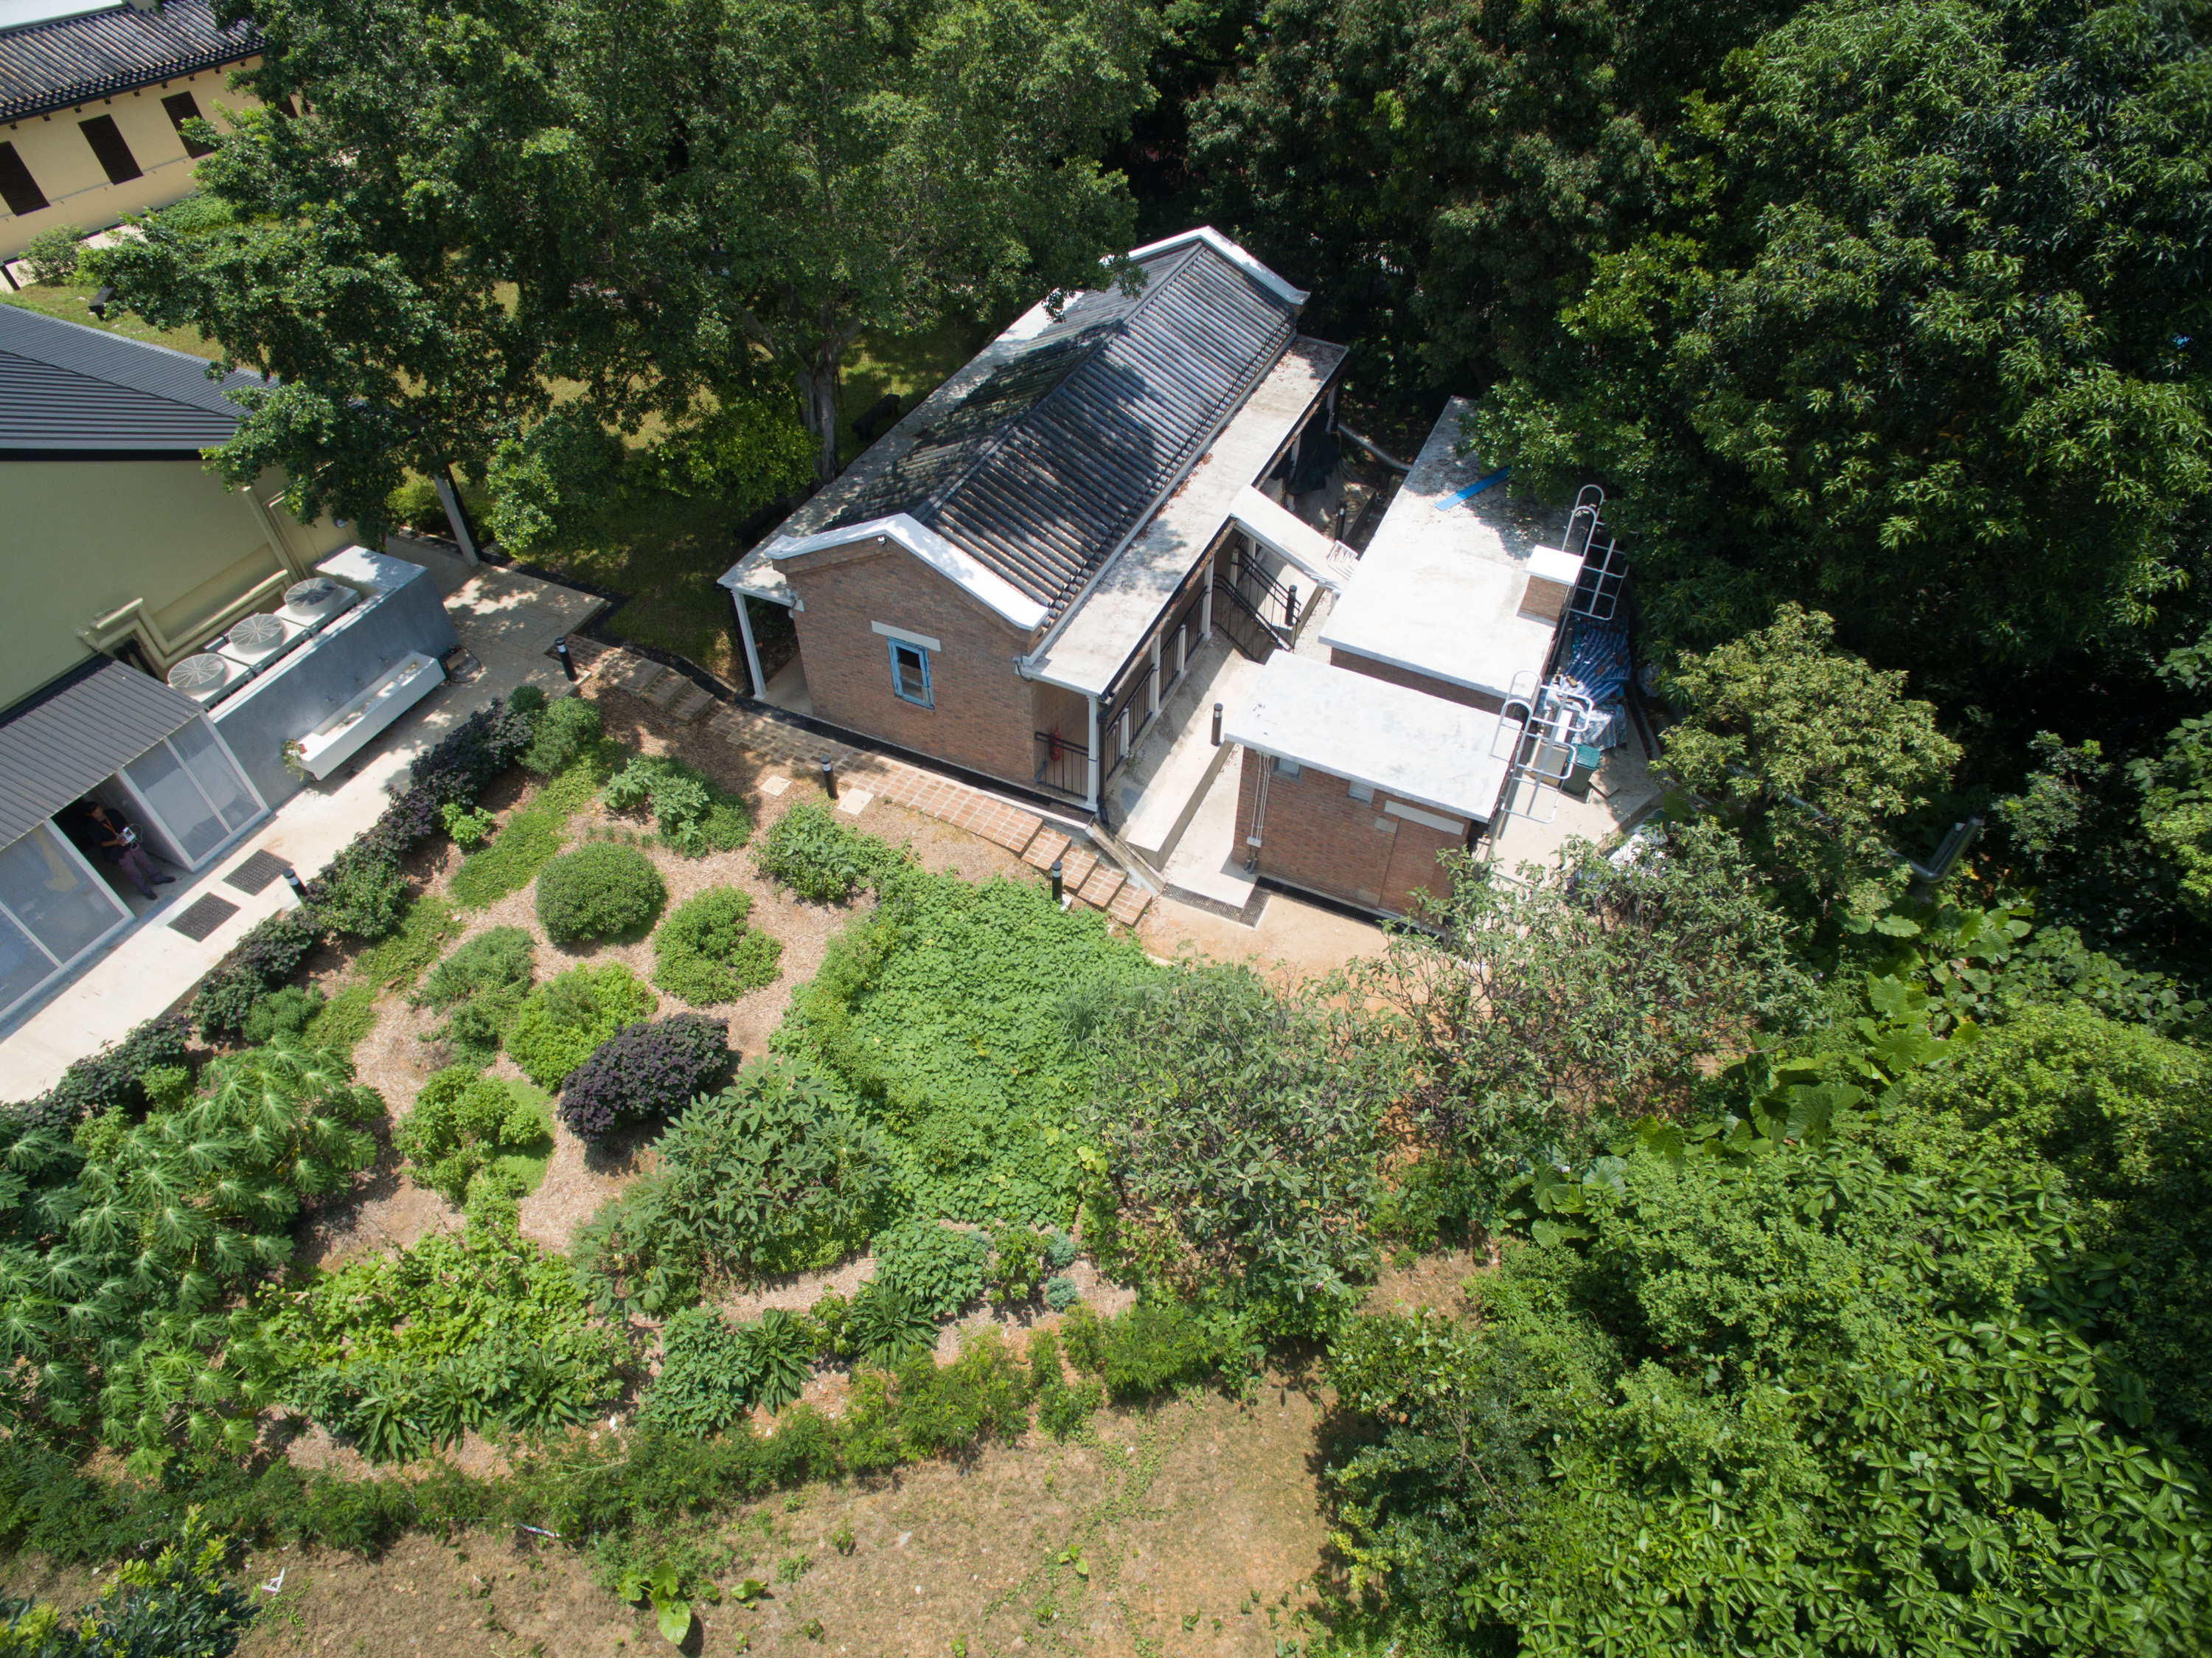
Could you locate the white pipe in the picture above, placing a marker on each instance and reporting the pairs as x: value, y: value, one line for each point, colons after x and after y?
x: 1091, y: 803
x: 752, y: 651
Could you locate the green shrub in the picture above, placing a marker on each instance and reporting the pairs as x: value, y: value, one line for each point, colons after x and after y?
x: 196, y: 216
x: 52, y: 256
x: 361, y: 898
x: 704, y: 953
x: 166, y: 1088
x: 598, y: 890
x: 282, y: 1013
x: 1017, y: 1272
x: 468, y: 826
x: 695, y: 815
x: 179, y: 1604
x: 462, y: 1123
x: 770, y: 1175
x: 416, y: 502
x: 983, y: 1393
x: 711, y: 1371
x: 1155, y: 1345
x: 822, y: 860
x: 882, y: 1326
x: 1064, y: 1411
x: 530, y: 840
x: 480, y: 988
x: 400, y: 1353
x: 1058, y: 1250
x: 938, y: 1268
x: 652, y: 1068
x: 568, y: 728
x: 1061, y: 1293
x: 564, y: 1019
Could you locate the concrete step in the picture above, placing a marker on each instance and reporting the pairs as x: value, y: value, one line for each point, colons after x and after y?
x: 667, y: 688
x: 1129, y: 904
x: 691, y: 703
x: 1048, y: 845
x: 1176, y: 785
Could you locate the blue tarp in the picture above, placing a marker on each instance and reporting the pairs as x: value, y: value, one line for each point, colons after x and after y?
x: 1596, y: 664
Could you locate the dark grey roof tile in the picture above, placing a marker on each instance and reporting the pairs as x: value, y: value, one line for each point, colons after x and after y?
x: 67, y: 60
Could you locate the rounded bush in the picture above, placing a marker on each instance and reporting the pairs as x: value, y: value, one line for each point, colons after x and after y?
x: 604, y: 890
x: 646, y: 1069
x: 705, y: 952
x: 1061, y: 1294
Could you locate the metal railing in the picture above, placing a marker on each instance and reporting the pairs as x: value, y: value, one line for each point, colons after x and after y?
x: 1246, y: 628
x: 1063, y: 767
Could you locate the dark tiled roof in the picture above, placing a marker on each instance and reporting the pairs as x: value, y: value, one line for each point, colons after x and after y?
x: 1044, y: 468
x: 86, y: 726
x: 66, y: 388
x: 66, y: 60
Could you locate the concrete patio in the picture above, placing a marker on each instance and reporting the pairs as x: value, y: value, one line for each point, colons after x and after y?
x: 507, y: 621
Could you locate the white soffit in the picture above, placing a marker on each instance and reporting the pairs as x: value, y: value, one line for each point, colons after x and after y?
x: 934, y: 549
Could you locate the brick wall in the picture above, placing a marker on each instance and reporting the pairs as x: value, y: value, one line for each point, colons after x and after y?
x: 983, y: 709
x: 1442, y: 689
x: 1317, y: 836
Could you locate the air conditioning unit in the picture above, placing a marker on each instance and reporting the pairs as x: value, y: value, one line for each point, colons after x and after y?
x: 255, y: 642
x: 317, y: 601
x: 207, y: 677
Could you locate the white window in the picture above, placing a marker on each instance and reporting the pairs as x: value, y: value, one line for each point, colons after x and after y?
x: 193, y: 792
x: 1363, y: 791
x: 1286, y: 769
x: 52, y: 910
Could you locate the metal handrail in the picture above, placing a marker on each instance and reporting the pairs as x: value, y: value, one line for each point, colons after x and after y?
x: 1063, y: 765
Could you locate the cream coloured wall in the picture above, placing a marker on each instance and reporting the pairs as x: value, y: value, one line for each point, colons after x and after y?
x: 70, y: 177
x: 160, y: 551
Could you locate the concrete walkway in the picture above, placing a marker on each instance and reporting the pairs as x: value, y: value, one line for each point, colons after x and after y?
x: 506, y: 620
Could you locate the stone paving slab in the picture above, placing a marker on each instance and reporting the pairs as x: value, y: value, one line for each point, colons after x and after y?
x: 1129, y: 904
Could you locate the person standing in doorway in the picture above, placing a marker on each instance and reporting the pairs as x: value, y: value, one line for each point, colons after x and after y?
x: 120, y: 844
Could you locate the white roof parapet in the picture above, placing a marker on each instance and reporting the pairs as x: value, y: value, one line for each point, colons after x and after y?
x: 1287, y: 534
x: 1413, y: 747
x: 968, y: 574
x: 1227, y: 250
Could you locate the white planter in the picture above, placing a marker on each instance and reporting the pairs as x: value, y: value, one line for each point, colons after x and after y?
x: 342, y: 736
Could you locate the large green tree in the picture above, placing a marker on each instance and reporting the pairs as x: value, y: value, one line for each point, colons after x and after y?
x: 539, y: 228
x: 1917, y: 334
x: 1441, y: 172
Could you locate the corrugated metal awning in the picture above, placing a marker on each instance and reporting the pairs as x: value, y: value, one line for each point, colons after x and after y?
x: 82, y: 729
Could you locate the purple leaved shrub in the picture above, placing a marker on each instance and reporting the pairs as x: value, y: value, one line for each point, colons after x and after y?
x: 652, y: 1067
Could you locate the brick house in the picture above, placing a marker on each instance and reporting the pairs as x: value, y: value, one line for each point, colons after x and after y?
x: 1123, y: 517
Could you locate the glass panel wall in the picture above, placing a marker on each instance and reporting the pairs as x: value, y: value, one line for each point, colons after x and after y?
x: 216, y: 773
x: 193, y: 825
x: 23, y: 965
x: 49, y: 897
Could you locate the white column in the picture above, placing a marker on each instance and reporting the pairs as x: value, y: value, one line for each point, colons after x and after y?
x: 752, y: 651
x: 1155, y: 698
x: 1090, y: 804
x: 1206, y: 605
x: 460, y: 525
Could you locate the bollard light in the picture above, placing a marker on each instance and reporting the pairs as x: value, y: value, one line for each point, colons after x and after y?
x: 568, y: 662
x: 1291, y: 607
x: 829, y: 776
x: 299, y: 889
x: 1217, y: 725
x: 1055, y: 872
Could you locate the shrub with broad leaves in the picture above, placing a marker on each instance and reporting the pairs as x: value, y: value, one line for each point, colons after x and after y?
x: 567, y: 1017
x: 462, y: 1122
x: 646, y: 1069
x: 821, y: 859
x: 705, y: 952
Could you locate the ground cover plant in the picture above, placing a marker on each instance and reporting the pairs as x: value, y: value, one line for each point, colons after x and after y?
x: 822, y: 860
x: 650, y: 1069
x: 563, y: 1020
x: 480, y: 988
x: 602, y: 890
x: 463, y: 1123
x: 940, y: 1269
x: 926, y: 1015
x: 705, y: 952
x: 175, y: 1601
x: 775, y: 1173
x: 531, y: 836
x: 711, y: 1370
x: 114, y: 1077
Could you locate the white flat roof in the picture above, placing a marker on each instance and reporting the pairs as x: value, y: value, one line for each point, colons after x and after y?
x: 1110, y: 621
x: 1439, y: 590
x: 1413, y: 747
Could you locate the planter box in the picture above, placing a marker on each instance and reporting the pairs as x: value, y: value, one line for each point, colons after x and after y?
x: 342, y: 736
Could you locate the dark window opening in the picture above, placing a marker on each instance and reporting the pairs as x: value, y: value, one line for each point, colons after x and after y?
x: 182, y: 107
x: 106, y: 141
x: 17, y: 187
x: 910, y: 673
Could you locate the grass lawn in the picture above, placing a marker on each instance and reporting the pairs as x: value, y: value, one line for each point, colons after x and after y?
x: 68, y: 302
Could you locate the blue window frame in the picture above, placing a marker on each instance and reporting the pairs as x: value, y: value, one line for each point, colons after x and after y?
x: 910, y: 673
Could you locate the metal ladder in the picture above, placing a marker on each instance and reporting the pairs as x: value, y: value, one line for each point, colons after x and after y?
x: 1543, y: 722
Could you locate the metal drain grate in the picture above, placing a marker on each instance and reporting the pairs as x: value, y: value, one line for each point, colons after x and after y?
x: 204, y: 917
x: 256, y: 873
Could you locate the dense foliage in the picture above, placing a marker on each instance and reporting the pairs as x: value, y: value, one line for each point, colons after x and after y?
x: 711, y: 1372
x: 463, y: 1124
x: 563, y: 1020
x: 602, y: 890
x: 1239, y: 1140
x: 773, y: 1174
x: 480, y: 988
x: 177, y: 1603
x: 693, y: 814
x: 939, y: 1269
x: 113, y: 1077
x: 568, y: 728
x: 704, y: 953
x: 650, y: 1069
x: 120, y: 1254
x: 928, y: 1014
x: 822, y: 860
